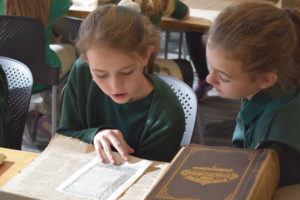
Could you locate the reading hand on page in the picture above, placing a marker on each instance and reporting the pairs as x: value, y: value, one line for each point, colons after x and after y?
x: 103, y: 141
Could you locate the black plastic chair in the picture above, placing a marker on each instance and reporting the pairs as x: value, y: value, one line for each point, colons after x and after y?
x: 67, y: 27
x: 20, y: 81
x: 22, y: 38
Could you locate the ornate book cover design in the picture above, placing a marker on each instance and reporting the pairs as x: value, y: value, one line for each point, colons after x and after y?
x: 218, y: 173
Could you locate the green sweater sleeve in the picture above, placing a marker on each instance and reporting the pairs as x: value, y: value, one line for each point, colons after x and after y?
x: 164, y: 141
x: 72, y: 122
x: 180, y: 10
x: 164, y: 126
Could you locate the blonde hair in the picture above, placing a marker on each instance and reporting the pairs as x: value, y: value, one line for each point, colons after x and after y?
x: 264, y: 37
x: 38, y: 9
x: 121, y: 28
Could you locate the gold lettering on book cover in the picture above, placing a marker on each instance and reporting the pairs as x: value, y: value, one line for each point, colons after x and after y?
x: 164, y: 192
x: 209, y: 175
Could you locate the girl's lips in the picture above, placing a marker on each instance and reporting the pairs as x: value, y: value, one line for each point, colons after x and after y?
x: 119, y: 96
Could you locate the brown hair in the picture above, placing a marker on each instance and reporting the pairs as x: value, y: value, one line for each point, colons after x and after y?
x: 264, y: 38
x: 121, y: 28
x: 154, y: 8
x: 39, y: 9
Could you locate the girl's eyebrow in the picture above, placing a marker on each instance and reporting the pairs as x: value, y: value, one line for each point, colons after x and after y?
x: 221, y: 72
x: 123, y: 68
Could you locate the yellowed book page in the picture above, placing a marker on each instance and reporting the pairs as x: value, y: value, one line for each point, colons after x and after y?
x: 142, y: 186
x: 103, y: 181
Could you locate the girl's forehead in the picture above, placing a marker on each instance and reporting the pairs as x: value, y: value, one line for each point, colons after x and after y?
x: 109, y: 52
x: 107, y: 59
x: 217, y: 59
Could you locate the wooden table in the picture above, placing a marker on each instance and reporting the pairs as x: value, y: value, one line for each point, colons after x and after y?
x: 202, y: 13
x: 14, y: 163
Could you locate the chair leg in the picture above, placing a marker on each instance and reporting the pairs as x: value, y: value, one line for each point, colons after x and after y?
x: 167, y: 43
x: 180, y: 44
x: 54, y: 110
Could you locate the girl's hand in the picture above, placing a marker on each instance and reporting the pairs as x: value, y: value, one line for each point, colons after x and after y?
x: 103, y: 141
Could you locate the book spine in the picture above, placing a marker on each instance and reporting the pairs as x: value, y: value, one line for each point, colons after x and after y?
x: 267, y: 176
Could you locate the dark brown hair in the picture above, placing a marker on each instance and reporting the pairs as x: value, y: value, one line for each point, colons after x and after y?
x: 264, y: 38
x: 121, y: 28
x: 39, y: 9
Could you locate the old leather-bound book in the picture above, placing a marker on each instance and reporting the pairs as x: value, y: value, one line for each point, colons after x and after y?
x: 201, y: 172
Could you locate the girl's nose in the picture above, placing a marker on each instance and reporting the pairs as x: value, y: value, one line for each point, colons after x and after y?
x: 116, y: 84
x: 211, y: 78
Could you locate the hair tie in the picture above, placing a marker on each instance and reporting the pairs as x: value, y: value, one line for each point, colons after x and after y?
x: 130, y: 4
x: 290, y: 12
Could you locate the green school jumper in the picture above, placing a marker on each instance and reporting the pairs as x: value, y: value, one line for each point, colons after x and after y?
x: 58, y: 8
x: 7, y: 128
x: 266, y: 122
x: 152, y: 126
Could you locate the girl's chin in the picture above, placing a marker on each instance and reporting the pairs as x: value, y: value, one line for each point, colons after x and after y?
x: 228, y: 96
x: 221, y: 94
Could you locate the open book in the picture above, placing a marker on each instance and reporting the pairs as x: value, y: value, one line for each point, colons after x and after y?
x: 68, y: 169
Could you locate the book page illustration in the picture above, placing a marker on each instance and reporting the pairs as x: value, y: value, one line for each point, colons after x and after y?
x: 103, y: 181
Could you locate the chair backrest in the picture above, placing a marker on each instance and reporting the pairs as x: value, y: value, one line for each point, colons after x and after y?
x: 189, y: 103
x: 23, y: 39
x: 67, y: 27
x: 20, y: 81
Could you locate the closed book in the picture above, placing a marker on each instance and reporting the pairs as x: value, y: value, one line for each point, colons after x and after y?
x: 201, y: 172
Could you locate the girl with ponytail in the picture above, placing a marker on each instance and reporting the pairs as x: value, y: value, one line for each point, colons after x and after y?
x: 253, y: 53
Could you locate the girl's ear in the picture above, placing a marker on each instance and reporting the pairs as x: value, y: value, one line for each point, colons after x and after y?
x: 147, y: 55
x: 268, y: 79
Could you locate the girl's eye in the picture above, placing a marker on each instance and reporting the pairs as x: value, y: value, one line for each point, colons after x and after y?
x: 127, y: 73
x: 101, y: 76
x: 223, y: 79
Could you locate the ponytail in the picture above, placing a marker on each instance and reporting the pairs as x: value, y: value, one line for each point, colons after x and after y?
x: 294, y: 15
